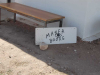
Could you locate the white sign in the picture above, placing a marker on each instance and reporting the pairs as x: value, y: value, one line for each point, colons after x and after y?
x: 62, y: 35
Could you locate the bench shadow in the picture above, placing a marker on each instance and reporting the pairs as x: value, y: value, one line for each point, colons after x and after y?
x: 61, y: 57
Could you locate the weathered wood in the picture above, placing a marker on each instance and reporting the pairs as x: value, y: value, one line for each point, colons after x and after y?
x: 30, y: 11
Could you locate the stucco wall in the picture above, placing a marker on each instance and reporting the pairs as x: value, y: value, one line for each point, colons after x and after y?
x: 73, y: 10
x: 6, y: 14
x: 92, y: 21
x: 3, y: 1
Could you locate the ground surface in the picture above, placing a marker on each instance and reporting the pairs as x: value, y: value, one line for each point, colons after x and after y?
x: 19, y: 55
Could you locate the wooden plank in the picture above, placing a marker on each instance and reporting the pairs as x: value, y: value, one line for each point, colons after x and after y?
x: 56, y: 35
x: 30, y: 11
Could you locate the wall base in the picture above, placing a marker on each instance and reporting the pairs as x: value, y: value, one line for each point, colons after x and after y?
x: 92, y: 38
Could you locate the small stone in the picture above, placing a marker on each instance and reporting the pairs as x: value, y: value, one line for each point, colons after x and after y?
x: 11, y: 48
x: 9, y: 56
x: 48, y: 57
x: 88, y: 52
x: 75, y: 50
x: 49, y: 64
x: 6, y: 74
x: 64, y: 69
x: 43, y: 46
x: 15, y: 56
x: 51, y: 60
x: 30, y: 50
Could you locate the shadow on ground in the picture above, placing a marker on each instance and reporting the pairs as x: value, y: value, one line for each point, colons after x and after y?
x: 74, y: 59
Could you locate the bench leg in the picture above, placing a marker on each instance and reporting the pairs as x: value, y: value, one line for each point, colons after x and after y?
x: 45, y: 24
x: 14, y: 17
x: 61, y: 21
x: 0, y: 16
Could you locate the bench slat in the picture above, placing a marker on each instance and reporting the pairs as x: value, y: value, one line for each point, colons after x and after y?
x: 30, y: 11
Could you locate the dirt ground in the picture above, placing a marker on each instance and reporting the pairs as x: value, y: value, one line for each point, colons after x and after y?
x: 20, y: 56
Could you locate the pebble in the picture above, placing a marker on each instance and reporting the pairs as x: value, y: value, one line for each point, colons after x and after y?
x: 49, y: 64
x: 43, y: 46
x: 15, y: 56
x: 9, y: 56
x: 11, y: 48
x: 51, y: 60
x: 64, y: 69
x: 30, y: 50
x: 24, y: 57
x: 88, y: 52
x: 75, y: 50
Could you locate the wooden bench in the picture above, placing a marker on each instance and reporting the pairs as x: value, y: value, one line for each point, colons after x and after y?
x: 37, y: 14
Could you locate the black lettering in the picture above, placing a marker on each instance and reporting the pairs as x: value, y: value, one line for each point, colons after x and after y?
x: 58, y: 30
x: 55, y: 33
x: 51, y: 33
x: 59, y: 38
x: 47, y: 35
x: 62, y: 30
x: 50, y: 40
x: 63, y: 38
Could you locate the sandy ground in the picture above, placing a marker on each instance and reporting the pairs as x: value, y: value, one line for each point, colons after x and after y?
x: 20, y: 56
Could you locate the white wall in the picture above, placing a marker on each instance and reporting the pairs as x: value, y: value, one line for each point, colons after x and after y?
x: 3, y: 1
x: 92, y: 23
x: 5, y: 14
x: 83, y: 14
x: 73, y: 10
